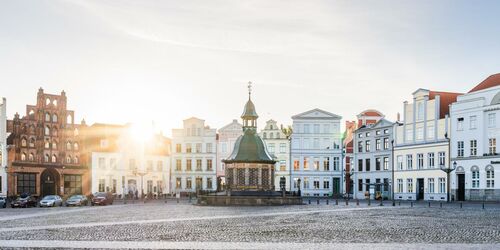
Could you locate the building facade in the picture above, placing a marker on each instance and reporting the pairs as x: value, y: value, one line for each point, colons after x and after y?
x: 194, y: 157
x: 3, y: 147
x: 316, y: 153
x: 348, y: 150
x: 123, y: 165
x: 227, y: 136
x: 475, y: 130
x: 278, y: 146
x: 421, y: 147
x: 45, y: 150
x: 372, y: 170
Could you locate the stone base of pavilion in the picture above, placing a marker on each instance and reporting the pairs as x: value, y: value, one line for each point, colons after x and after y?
x: 248, y: 198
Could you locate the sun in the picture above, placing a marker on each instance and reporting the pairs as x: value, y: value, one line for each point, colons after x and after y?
x: 141, y: 132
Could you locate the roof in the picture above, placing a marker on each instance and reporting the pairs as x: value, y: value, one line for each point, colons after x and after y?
x: 446, y: 98
x: 491, y: 81
x: 249, y: 148
x: 371, y: 112
x: 303, y: 115
x: 249, y: 110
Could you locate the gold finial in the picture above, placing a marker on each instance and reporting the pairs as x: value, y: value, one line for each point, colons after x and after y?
x: 249, y: 89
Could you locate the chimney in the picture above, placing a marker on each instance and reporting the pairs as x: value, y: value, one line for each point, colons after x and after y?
x: 398, y: 117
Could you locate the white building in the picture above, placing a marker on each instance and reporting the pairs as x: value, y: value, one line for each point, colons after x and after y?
x: 194, y: 157
x: 421, y: 147
x: 475, y: 131
x: 3, y: 147
x: 279, y: 146
x: 225, y: 144
x: 316, y: 153
x: 121, y: 164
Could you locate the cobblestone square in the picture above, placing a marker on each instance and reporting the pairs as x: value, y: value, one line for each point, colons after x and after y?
x: 183, y: 225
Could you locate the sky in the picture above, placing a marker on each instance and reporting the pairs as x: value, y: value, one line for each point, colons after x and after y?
x: 166, y: 61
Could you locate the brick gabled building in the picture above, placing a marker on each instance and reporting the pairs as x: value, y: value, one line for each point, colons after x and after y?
x: 45, y: 154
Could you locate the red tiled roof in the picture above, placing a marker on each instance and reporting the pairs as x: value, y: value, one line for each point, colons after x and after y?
x: 371, y: 112
x: 446, y: 98
x: 491, y: 81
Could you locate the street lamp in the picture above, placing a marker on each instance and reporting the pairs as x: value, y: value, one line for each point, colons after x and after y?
x: 347, y: 178
x: 448, y: 169
x: 392, y: 172
x: 141, y: 174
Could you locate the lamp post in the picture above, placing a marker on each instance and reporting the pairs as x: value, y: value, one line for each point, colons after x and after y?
x: 62, y: 175
x: 141, y: 174
x: 347, y: 176
x: 392, y: 172
x: 343, y: 173
x: 448, y: 169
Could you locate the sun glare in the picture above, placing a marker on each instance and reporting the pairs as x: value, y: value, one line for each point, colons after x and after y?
x: 141, y: 132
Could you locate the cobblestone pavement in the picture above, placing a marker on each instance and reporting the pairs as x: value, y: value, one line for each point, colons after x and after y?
x: 184, y: 225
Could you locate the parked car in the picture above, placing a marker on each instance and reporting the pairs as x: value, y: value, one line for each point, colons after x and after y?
x: 25, y: 200
x: 102, y: 198
x: 77, y: 200
x: 51, y: 201
x: 3, y: 202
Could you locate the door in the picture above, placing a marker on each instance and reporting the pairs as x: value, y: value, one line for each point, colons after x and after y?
x: 461, y: 187
x: 336, y: 187
x: 49, y: 181
x: 420, y: 189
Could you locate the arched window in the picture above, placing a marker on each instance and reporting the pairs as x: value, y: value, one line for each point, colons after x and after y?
x: 54, y: 144
x: 47, y: 144
x: 46, y: 158
x: 54, y: 158
x: 32, y: 142
x: 68, y: 159
x: 31, y: 157
x: 75, y: 146
x: 68, y: 145
x: 31, y: 114
x: 264, y: 135
x: 54, y: 118
x: 277, y: 135
x: 24, y: 142
x: 475, y: 177
x: 47, y: 117
x: 23, y: 156
x: 69, y: 119
x: 47, y: 130
x: 54, y: 131
x: 76, y: 160
x: 32, y: 129
x: 47, y: 101
x: 490, y: 177
x: 271, y: 135
x: 54, y: 102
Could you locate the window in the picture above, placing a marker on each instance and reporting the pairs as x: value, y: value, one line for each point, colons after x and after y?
x: 73, y: 184
x: 26, y: 183
x: 386, y: 131
x: 47, y: 117
x: 409, y: 185
x: 188, y: 165
x: 131, y: 164
x: 360, y: 185
x: 306, y: 129
x: 430, y: 132
x: 198, y: 164
x: 326, y: 128
x: 473, y: 148
x: 475, y: 178
x: 31, y: 157
x: 316, y: 183
x: 46, y: 158
x: 400, y: 185
x: 326, y: 164
x: 264, y: 135
x: 316, y: 143
x: 102, y: 163
x: 270, y: 147
x: 360, y: 165
x: 178, y: 183
x: 209, y: 183
x: 377, y: 132
x: 102, y: 185
x: 336, y: 163
x: 442, y: 185
x: 149, y: 165
x: 188, y: 148
x: 178, y: 148
x: 420, y: 161
x: 306, y: 163
x: 271, y: 135
x: 316, y: 128
x: 54, y: 158
x: 282, y: 148
x: 23, y: 157
x: 223, y: 147
x: 367, y: 146
x: 491, y: 120
x: 360, y: 146
x: 296, y: 165
x: 360, y: 135
x: 420, y: 133
x: 386, y: 163
x: 68, y: 145
x: 54, y: 118
x: 409, y: 135
x: 316, y: 164
x: 24, y: 142
x: 112, y: 163
x: 460, y: 124
x: 378, y: 162
x: 378, y: 144
x: 32, y: 142
x: 490, y: 177
x: 492, y: 148
x: 209, y: 148
x: 409, y: 162
x: 54, y: 145
x: 430, y: 159
x: 306, y: 143
x: 209, y: 165
x: 367, y: 134
x: 430, y: 185
x: 420, y: 111
x: 198, y: 147
x: 76, y: 160
x: 400, y: 162
x: 282, y: 165
x: 326, y: 184
x: 47, y: 130
x: 386, y: 143
x: 473, y: 122
x: 442, y: 158
x: 460, y: 148
x: 367, y: 167
x: 306, y: 182
x: 189, y: 183
x: 178, y: 165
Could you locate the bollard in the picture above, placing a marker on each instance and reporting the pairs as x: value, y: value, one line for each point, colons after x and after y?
x: 317, y: 201
x: 326, y: 201
x: 381, y: 202
x: 483, y: 205
x: 412, y: 204
x: 357, y: 202
x: 440, y: 205
x: 460, y: 204
x: 399, y: 203
x: 177, y: 200
x: 309, y: 202
x: 336, y: 202
x: 429, y: 204
x: 369, y: 202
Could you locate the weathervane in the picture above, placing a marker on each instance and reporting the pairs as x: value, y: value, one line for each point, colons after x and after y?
x: 249, y: 89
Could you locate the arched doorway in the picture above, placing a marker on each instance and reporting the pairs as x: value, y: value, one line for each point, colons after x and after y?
x: 49, y: 182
